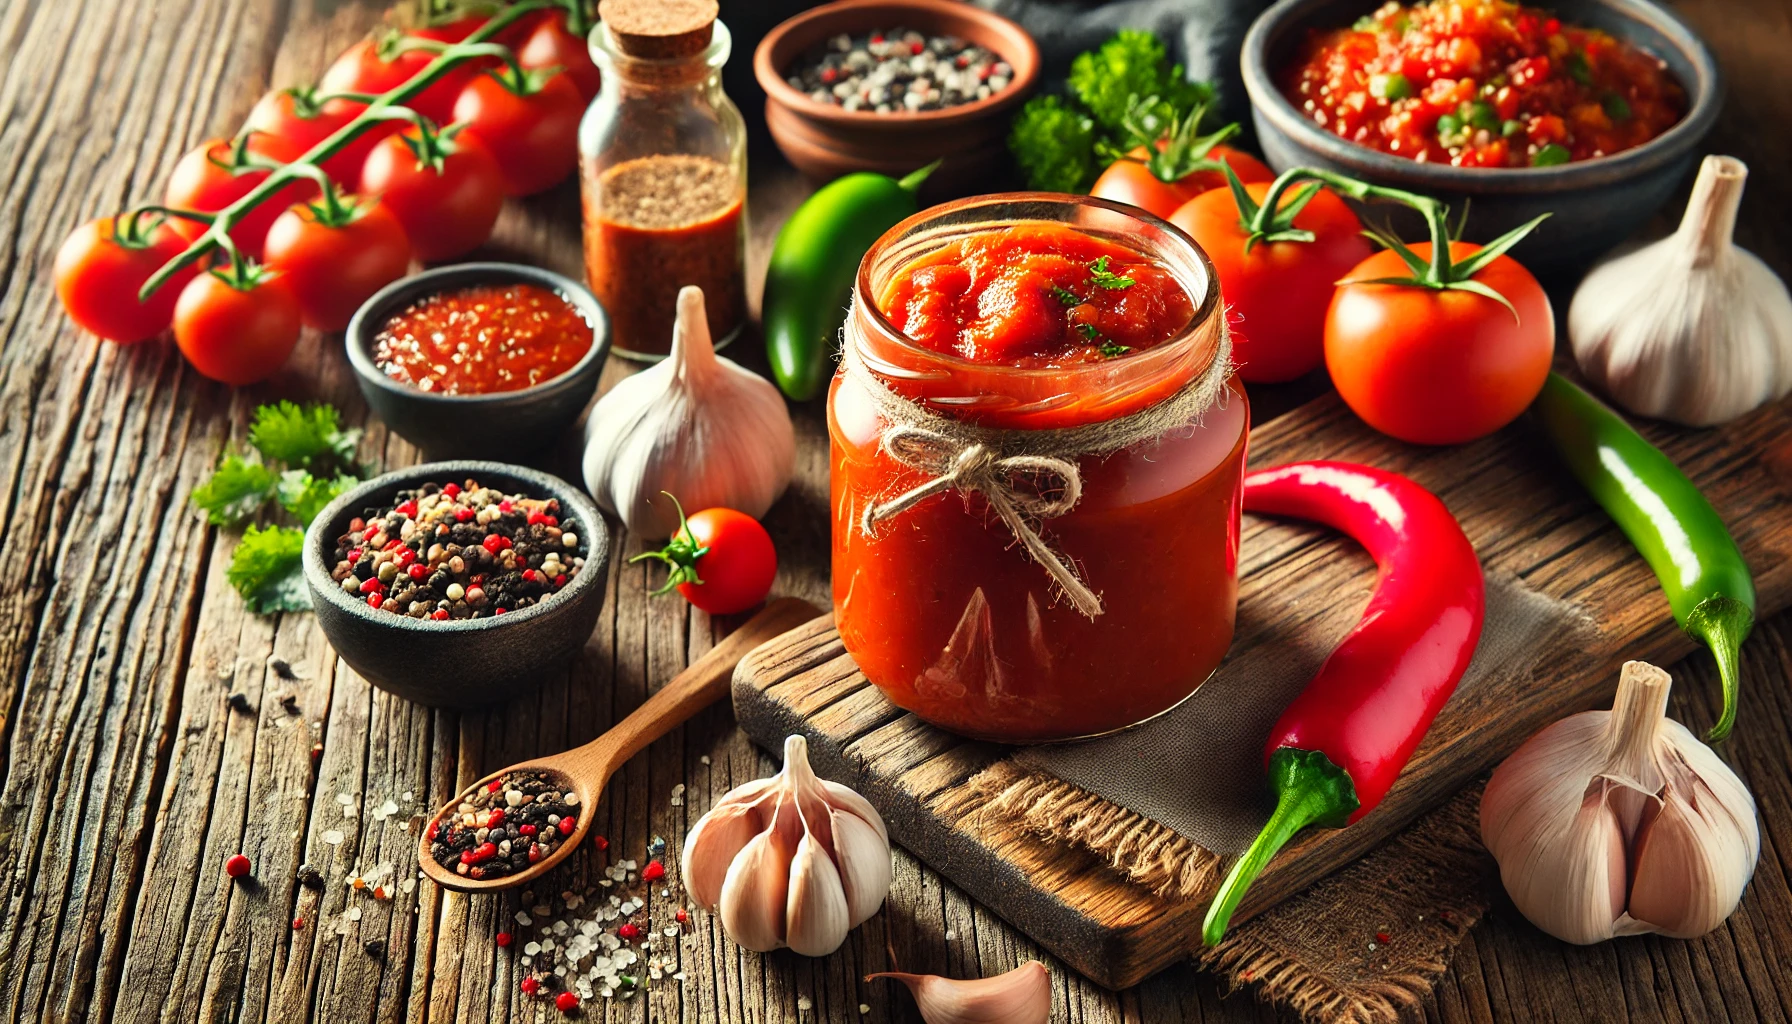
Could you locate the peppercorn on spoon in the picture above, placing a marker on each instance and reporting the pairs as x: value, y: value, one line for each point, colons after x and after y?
x: 587, y: 769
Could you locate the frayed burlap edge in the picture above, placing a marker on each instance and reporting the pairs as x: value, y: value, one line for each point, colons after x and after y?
x: 1357, y: 947
x: 1145, y: 852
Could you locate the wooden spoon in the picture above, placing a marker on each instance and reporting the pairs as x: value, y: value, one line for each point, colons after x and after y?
x: 588, y: 768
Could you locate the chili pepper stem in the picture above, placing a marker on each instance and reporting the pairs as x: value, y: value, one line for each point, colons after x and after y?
x: 1310, y: 790
x: 1721, y: 623
x: 912, y: 181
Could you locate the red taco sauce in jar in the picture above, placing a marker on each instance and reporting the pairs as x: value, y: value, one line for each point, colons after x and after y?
x: 1011, y: 315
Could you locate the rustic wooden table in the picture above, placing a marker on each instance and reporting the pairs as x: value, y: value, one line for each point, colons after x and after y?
x: 129, y: 777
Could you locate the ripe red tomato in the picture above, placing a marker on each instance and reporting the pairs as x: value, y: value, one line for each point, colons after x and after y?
x: 533, y: 135
x: 98, y: 275
x: 1130, y: 181
x: 737, y: 570
x: 445, y: 211
x: 290, y: 115
x: 212, y: 177
x: 233, y: 334
x: 1439, y: 366
x: 333, y: 268
x: 552, y: 45
x: 1277, y: 293
x: 361, y: 69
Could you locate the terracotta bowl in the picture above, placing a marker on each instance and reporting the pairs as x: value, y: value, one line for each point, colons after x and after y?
x: 825, y: 141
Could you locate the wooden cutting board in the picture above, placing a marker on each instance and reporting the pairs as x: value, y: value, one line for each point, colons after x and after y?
x: 1526, y: 517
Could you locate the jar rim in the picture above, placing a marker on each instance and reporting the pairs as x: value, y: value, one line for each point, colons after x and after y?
x: 1188, y: 353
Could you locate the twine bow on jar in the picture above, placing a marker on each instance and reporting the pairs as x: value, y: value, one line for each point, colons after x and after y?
x: 978, y: 468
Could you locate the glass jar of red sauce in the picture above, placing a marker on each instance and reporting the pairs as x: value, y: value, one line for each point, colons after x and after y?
x: 939, y: 605
x: 663, y: 175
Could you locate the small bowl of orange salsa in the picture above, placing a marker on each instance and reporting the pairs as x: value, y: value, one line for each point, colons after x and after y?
x: 479, y: 360
x: 1590, y: 110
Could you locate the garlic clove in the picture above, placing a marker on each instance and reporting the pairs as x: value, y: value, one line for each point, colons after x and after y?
x: 815, y: 915
x: 712, y: 846
x: 755, y: 892
x: 840, y: 796
x: 1021, y: 996
x: 865, y: 866
x: 1685, y: 882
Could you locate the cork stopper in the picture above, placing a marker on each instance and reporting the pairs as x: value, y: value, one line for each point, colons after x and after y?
x: 659, y: 29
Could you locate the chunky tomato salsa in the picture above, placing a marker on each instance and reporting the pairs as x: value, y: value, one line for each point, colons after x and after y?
x: 1036, y: 295
x: 1482, y: 83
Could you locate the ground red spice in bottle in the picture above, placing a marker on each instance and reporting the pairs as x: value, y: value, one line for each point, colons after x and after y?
x: 659, y: 223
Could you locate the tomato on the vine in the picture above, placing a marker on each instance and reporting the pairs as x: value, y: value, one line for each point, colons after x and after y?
x: 99, y: 271
x: 444, y: 187
x: 221, y: 171
x: 376, y: 66
x: 722, y: 560
x: 335, y: 253
x: 237, y: 326
x: 1439, y: 365
x: 552, y: 44
x: 530, y: 125
x: 296, y: 117
x: 1132, y: 179
x: 1277, y: 283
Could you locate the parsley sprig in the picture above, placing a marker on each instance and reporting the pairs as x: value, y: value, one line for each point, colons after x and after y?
x: 300, y: 460
x: 1101, y: 277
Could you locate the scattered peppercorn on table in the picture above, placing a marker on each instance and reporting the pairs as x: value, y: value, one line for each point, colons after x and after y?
x: 156, y: 731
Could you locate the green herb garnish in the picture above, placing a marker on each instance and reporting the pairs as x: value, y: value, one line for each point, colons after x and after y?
x: 301, y: 460
x: 1110, y: 349
x: 1577, y: 67
x: 1088, y: 331
x: 1616, y: 107
x: 1101, y: 277
x: 1551, y: 155
x: 1067, y: 298
x: 1390, y: 87
x: 1510, y: 128
x: 1482, y: 114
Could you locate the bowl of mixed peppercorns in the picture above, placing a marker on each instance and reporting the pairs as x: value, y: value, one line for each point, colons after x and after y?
x: 454, y: 583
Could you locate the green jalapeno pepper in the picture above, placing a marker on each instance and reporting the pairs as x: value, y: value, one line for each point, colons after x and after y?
x: 1677, y: 531
x: 815, y: 260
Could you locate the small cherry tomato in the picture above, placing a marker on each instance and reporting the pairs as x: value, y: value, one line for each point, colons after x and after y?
x: 220, y: 172
x: 552, y: 45
x: 530, y: 126
x: 98, y: 274
x: 1439, y: 366
x: 1131, y: 180
x: 237, y: 332
x: 334, y: 260
x: 722, y: 560
x: 294, y: 116
x: 445, y: 188
x: 1276, y: 292
x: 362, y: 68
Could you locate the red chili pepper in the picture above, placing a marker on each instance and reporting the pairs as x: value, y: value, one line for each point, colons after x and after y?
x: 1339, y: 746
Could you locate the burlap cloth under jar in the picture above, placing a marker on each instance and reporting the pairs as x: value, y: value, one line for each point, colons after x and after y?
x: 1168, y: 804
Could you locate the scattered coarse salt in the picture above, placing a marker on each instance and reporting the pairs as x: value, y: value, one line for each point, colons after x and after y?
x: 804, y: 1003
x: 331, y: 836
x: 522, y: 918
x: 864, y: 1007
x: 532, y: 948
x: 678, y: 795
x: 354, y: 913
x: 408, y: 885
x: 671, y: 929
x: 703, y: 760
x: 950, y: 935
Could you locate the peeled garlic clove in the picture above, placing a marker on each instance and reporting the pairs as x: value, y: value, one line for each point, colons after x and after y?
x: 712, y: 846
x: 1021, y: 996
x: 755, y: 892
x: 695, y: 425
x: 865, y: 868
x: 815, y: 914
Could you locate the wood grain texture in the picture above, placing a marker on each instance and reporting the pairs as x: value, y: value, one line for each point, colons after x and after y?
x: 127, y: 776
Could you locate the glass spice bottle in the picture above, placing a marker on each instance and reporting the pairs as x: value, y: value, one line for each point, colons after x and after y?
x: 663, y: 173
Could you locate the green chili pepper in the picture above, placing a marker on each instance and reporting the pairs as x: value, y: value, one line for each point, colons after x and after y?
x: 1551, y: 155
x: 814, y: 263
x: 1677, y: 531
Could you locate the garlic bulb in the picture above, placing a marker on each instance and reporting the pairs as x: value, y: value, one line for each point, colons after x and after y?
x: 1690, y: 328
x: 695, y: 425
x: 1021, y: 996
x: 1621, y: 822
x: 792, y: 860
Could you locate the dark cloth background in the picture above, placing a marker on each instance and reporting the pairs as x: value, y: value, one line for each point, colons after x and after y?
x: 1202, y: 35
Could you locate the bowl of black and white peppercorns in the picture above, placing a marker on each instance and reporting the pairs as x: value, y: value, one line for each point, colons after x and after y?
x: 892, y: 85
x: 456, y: 584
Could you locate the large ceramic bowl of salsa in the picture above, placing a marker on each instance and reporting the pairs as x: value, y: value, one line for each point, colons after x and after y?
x: 1589, y: 110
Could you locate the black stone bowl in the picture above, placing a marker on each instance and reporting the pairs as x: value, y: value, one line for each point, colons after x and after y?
x: 458, y: 662
x: 501, y: 425
x: 1595, y: 203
